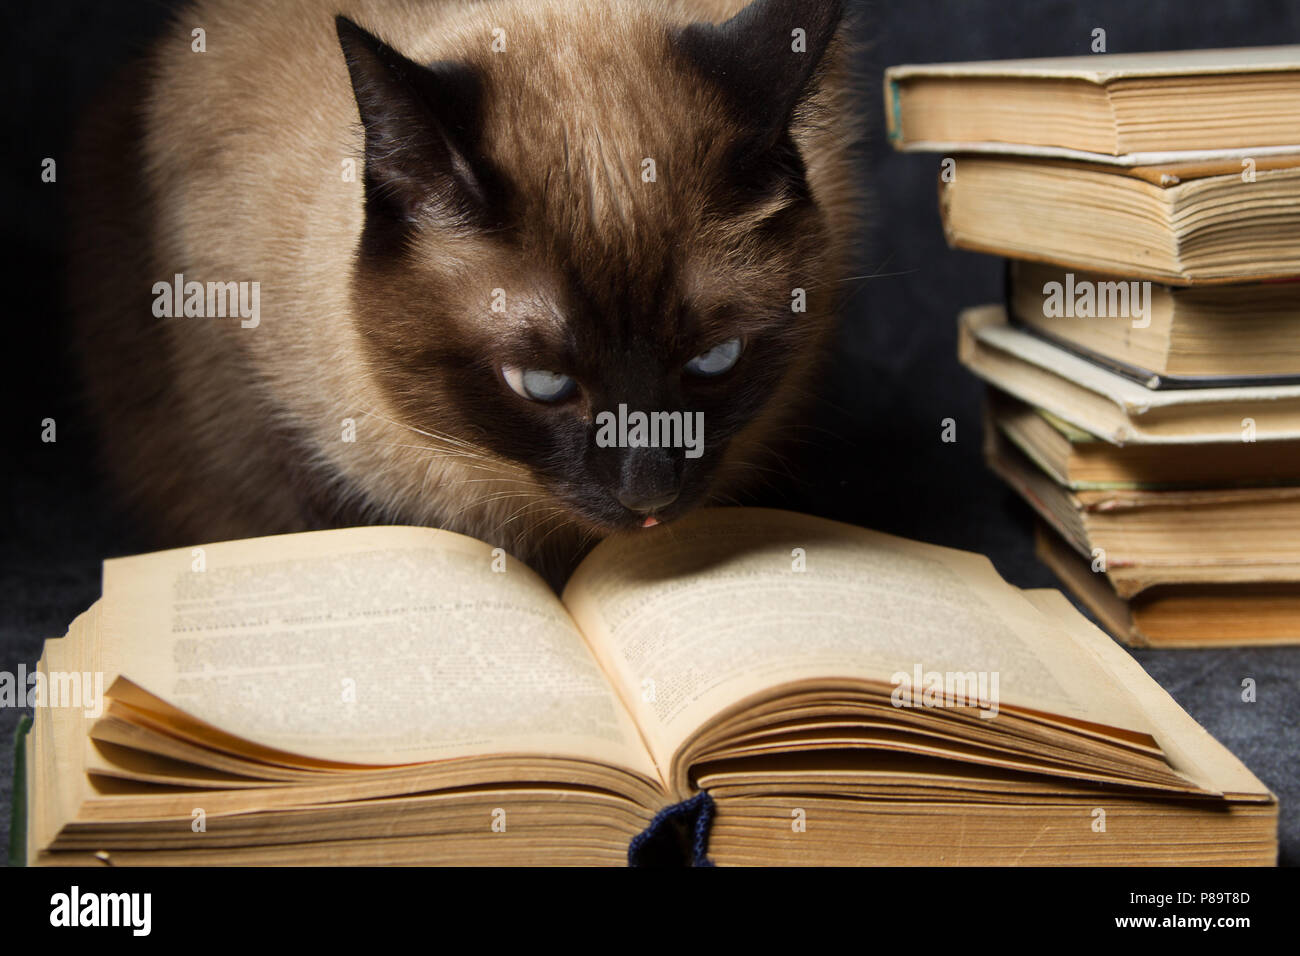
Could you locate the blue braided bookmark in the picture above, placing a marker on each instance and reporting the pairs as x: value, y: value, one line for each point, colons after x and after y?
x: 677, y: 836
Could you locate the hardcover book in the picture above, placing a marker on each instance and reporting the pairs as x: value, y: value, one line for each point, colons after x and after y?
x: 1173, y: 615
x: 1180, y: 224
x: 1116, y: 104
x: 1077, y: 460
x: 1113, y: 406
x: 1148, y: 537
x: 407, y: 695
x: 1165, y: 336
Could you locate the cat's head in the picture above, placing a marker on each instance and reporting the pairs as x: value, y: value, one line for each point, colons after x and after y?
x: 591, y: 211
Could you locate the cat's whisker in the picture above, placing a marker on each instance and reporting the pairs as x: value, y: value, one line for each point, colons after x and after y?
x: 524, y: 532
x: 478, y: 461
x: 429, y: 448
x: 522, y: 511
x: 587, y: 535
x: 489, y: 499
x: 879, y: 275
x: 419, y: 431
x: 428, y: 472
x: 560, y: 524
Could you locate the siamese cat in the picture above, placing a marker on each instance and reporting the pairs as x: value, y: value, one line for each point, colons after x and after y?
x: 406, y: 261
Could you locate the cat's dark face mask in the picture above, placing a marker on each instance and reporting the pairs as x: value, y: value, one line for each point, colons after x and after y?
x: 614, y: 293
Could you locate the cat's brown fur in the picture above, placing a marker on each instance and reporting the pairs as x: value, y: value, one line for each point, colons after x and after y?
x: 226, y: 165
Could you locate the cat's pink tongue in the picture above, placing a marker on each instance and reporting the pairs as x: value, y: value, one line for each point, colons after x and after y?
x: 649, y: 522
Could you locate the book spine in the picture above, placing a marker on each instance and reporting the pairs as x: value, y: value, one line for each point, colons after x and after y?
x: 893, y: 113
x: 18, y: 801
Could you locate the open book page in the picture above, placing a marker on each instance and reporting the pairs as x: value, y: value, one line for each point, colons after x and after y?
x: 1189, y: 747
x: 698, y: 616
x: 368, y: 646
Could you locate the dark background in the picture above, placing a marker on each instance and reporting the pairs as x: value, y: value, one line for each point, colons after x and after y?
x: 879, y: 461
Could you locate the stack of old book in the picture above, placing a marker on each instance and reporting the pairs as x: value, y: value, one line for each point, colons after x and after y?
x: 1144, y: 372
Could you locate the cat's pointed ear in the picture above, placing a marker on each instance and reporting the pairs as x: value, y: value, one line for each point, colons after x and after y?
x: 421, y: 134
x: 764, y: 58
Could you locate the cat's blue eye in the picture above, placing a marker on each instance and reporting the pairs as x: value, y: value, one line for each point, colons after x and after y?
x: 716, y: 360
x: 538, y: 384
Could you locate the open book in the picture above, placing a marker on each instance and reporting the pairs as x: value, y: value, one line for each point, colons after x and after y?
x: 407, y: 695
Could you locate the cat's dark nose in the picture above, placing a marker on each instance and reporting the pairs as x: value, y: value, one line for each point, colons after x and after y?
x: 649, y: 480
x: 645, y: 505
